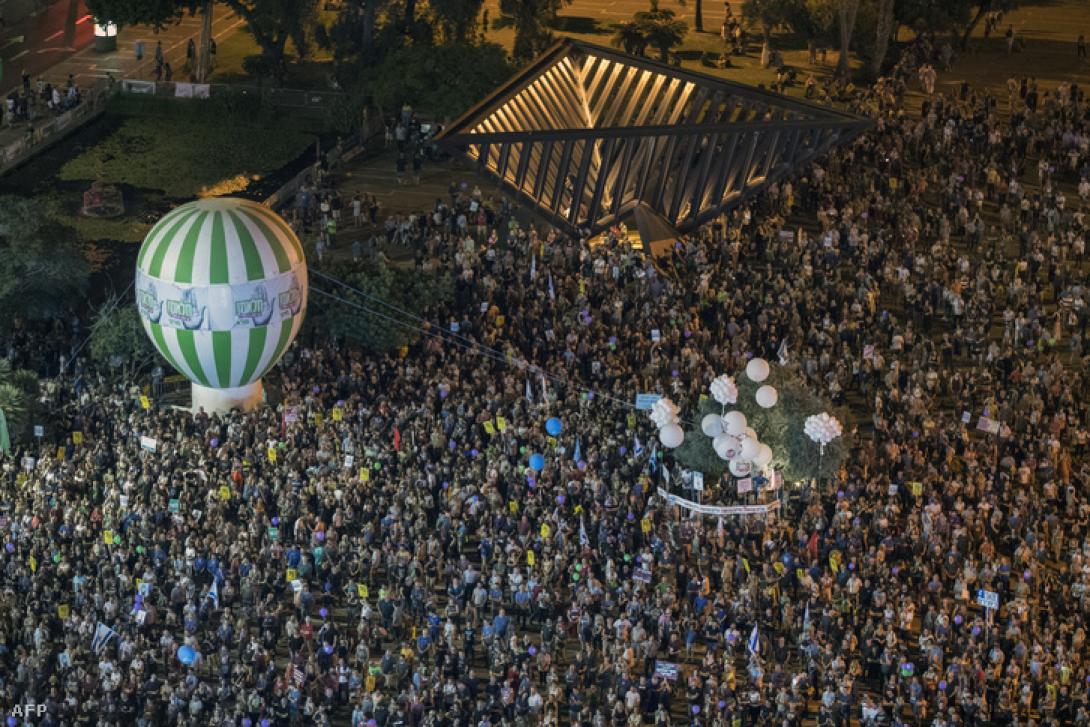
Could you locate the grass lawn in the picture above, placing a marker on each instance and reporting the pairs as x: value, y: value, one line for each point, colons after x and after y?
x: 185, y: 155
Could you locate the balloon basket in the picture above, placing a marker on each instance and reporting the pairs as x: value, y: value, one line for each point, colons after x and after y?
x: 221, y: 401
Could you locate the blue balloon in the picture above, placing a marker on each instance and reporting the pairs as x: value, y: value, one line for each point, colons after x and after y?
x: 186, y: 654
x: 553, y: 426
x: 537, y: 462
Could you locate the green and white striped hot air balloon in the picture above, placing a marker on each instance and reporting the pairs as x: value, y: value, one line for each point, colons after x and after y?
x: 221, y: 286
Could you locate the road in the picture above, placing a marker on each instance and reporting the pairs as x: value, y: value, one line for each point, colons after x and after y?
x: 43, y: 40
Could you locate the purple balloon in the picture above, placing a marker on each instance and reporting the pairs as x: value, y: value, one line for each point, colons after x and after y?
x: 560, y: 499
x: 328, y: 648
x: 215, y: 442
x: 324, y: 613
x: 10, y: 547
x: 722, y: 704
x: 531, y: 482
x: 688, y: 333
x: 590, y: 396
x: 696, y: 709
x: 976, y: 631
x: 623, y: 450
x: 442, y: 393
x: 1026, y: 575
x: 631, y: 517
x: 473, y: 452
x: 674, y: 373
x: 532, y: 651
x: 957, y: 619
x: 851, y: 566
x: 276, y: 521
x: 319, y: 536
x: 581, y: 464
x: 942, y: 686
x: 315, y: 389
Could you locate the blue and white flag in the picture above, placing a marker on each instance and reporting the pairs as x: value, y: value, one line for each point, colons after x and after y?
x: 578, y: 453
x: 101, y: 638
x: 552, y: 291
x: 754, y: 643
x: 637, y: 446
x: 806, y: 619
x: 584, y: 539
x: 529, y: 392
x: 533, y: 266
x: 214, y: 593
x: 654, y: 461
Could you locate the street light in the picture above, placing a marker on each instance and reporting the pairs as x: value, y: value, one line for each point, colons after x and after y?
x: 105, y: 36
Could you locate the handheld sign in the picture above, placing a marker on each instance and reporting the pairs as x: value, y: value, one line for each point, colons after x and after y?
x: 988, y: 599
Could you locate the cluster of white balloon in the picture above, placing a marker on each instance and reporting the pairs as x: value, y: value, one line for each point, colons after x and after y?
x: 664, y: 415
x: 732, y: 439
x: 822, y: 428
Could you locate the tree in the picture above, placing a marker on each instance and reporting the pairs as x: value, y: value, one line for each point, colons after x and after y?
x: 782, y: 428
x: 630, y: 38
x: 273, y: 23
x: 767, y: 14
x: 456, y: 18
x: 847, y: 10
x: 19, y: 399
x: 118, y: 339
x: 882, y: 33
x: 662, y: 29
x: 44, y: 271
x: 443, y: 80
x: 530, y: 19
x: 411, y: 290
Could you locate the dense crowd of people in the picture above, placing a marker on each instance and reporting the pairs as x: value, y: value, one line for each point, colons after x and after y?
x: 373, y: 549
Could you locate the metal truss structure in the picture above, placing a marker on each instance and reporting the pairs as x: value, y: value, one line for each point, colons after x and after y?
x: 586, y: 134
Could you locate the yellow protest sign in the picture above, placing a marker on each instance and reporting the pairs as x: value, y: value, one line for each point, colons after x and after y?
x: 60, y: 452
x: 745, y: 564
x: 225, y: 492
x: 317, y: 417
x: 551, y: 441
x: 290, y: 575
x: 272, y: 455
x: 513, y: 506
x: 338, y: 414
x: 546, y: 531
x: 500, y: 320
x: 108, y: 537
x: 489, y: 428
x: 33, y: 563
x: 529, y: 557
x: 77, y: 437
x: 365, y: 474
x: 501, y: 424
x: 63, y: 609
x: 371, y: 683
x: 916, y: 488
x: 578, y: 509
x: 631, y: 418
x: 361, y: 590
x: 645, y: 524
x: 403, y: 352
x: 145, y: 402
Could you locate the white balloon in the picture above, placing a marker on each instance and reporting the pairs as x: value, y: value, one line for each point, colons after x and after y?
x: 739, y: 468
x: 712, y: 425
x: 757, y: 370
x: 752, y: 433
x: 764, y: 456
x: 724, y: 390
x: 735, y: 423
x: 767, y: 396
x: 726, y: 446
x: 750, y: 448
x: 671, y: 436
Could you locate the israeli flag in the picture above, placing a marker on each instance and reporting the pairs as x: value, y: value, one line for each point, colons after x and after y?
x: 529, y: 392
x: 637, y: 446
x: 754, y: 643
x: 584, y: 539
x: 533, y: 266
x: 214, y: 593
x: 654, y: 461
x: 578, y: 453
x: 101, y: 638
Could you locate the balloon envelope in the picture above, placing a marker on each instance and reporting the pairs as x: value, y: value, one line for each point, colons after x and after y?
x: 553, y: 426
x: 712, y: 425
x: 186, y: 654
x: 750, y: 447
x: 735, y: 423
x: 739, y: 468
x: 764, y: 455
x: 671, y: 436
x: 537, y: 462
x: 767, y: 396
x: 757, y: 370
